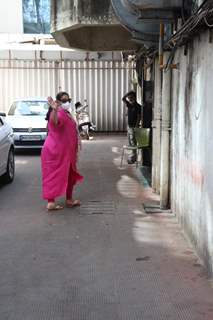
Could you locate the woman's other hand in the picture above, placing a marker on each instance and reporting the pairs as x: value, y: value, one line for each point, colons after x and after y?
x: 50, y: 100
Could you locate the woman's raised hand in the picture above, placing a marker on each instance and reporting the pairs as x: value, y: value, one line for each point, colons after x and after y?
x: 52, y: 103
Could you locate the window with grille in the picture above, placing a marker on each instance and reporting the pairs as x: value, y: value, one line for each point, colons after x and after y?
x: 36, y: 16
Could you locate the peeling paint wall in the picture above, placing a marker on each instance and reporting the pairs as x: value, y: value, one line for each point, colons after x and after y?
x: 81, y: 12
x: 192, y: 144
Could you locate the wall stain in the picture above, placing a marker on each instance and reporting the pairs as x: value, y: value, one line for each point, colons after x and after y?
x: 187, y: 99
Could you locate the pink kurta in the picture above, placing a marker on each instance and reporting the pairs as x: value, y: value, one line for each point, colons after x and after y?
x: 59, y: 156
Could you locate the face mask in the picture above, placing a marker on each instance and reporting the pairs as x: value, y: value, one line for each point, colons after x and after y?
x: 66, y: 106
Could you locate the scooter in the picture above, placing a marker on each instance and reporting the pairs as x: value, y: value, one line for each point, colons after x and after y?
x: 85, y: 126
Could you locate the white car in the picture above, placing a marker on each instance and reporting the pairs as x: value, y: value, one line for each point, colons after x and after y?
x: 7, y: 164
x: 27, y: 118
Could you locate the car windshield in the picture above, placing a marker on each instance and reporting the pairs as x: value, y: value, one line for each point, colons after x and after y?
x: 29, y: 108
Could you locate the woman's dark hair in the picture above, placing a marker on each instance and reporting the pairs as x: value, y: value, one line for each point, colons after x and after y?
x: 58, y: 97
x: 61, y: 94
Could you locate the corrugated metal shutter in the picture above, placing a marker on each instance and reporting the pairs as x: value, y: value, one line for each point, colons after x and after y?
x: 102, y: 83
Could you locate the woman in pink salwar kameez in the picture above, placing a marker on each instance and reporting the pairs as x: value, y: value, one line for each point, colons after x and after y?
x: 59, y: 154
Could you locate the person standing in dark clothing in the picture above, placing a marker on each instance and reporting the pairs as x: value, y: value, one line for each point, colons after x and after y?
x: 133, y: 120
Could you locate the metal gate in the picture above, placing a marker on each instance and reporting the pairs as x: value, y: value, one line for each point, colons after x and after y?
x: 102, y: 83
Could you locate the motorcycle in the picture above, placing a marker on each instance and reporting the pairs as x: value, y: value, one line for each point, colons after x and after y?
x: 85, y: 126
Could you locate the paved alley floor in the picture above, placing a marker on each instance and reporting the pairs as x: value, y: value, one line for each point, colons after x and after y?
x: 107, y: 260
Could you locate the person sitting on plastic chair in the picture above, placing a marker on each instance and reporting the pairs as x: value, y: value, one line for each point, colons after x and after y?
x: 133, y: 119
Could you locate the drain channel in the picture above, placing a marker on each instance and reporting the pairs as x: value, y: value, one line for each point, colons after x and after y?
x: 94, y: 207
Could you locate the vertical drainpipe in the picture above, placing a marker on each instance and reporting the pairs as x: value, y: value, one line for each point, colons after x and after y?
x: 156, y: 123
x: 165, y: 137
x: 156, y: 126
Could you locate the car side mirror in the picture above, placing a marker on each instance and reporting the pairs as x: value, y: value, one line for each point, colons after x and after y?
x: 2, y: 114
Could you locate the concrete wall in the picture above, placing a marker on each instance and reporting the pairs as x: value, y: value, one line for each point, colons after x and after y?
x: 192, y: 144
x: 11, y: 17
x: 54, y: 52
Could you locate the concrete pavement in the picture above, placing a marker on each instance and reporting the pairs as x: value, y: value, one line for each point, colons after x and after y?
x: 106, y: 260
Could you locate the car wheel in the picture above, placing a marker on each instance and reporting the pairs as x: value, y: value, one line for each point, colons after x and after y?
x: 9, y: 175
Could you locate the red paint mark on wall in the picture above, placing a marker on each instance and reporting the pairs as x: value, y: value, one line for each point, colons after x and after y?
x: 192, y: 170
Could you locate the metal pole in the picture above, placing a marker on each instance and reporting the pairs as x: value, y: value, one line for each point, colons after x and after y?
x: 165, y: 137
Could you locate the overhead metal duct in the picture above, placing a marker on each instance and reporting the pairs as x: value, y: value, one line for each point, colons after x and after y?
x: 142, y: 17
x: 143, y: 31
x: 156, y: 4
x: 164, y: 10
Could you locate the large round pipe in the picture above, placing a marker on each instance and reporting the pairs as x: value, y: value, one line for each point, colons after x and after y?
x: 155, y: 4
x: 148, y: 32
